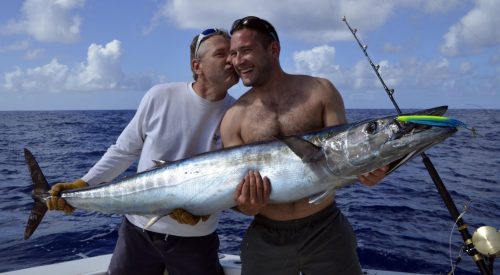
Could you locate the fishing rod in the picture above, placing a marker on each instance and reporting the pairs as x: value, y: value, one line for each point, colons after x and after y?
x: 445, y: 195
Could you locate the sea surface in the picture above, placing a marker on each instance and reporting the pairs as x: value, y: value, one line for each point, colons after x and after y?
x: 401, y: 224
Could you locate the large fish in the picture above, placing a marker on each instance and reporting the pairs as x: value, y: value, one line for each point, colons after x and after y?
x: 312, y: 165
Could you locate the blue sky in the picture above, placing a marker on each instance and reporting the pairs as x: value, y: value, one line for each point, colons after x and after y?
x: 92, y: 54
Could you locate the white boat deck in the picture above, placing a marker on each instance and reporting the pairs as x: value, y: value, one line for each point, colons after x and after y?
x: 98, y: 266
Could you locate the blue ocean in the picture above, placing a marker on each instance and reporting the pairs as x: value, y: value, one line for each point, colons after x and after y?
x: 401, y: 224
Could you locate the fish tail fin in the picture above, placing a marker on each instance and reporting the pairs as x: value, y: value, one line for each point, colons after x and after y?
x: 40, y: 189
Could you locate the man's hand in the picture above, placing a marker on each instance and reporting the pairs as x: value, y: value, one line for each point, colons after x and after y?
x: 184, y: 217
x: 252, y: 193
x: 373, y: 177
x: 55, y: 202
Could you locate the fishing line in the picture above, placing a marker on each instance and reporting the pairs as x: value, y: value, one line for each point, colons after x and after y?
x: 459, y: 257
x: 443, y: 192
x: 437, y: 121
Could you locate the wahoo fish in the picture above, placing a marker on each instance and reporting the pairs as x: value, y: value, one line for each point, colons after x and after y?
x: 312, y: 165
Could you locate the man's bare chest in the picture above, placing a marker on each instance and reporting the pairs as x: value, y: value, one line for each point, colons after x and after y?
x: 265, y: 124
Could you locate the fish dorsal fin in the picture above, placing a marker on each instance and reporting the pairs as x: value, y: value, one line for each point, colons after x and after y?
x: 304, y: 149
x: 320, y: 197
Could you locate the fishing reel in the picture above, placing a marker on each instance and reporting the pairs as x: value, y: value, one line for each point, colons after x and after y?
x: 486, y: 240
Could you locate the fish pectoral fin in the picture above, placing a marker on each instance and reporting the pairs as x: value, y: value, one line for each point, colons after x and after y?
x: 320, y: 197
x: 153, y: 221
x: 304, y: 149
x: 159, y: 162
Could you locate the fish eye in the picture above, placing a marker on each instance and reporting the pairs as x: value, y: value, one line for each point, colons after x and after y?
x: 371, y: 127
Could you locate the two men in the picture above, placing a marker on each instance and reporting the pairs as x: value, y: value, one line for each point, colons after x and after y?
x: 283, y: 239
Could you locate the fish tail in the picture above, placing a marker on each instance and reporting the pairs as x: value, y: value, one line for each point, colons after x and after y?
x: 40, y: 189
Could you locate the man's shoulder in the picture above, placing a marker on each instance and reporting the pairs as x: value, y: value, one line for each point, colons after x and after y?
x: 169, y: 86
x: 314, y: 86
x: 166, y: 89
x: 245, y: 99
x: 239, y: 107
x: 310, y: 80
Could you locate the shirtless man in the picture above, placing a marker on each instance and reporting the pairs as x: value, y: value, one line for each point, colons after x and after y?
x: 299, y: 236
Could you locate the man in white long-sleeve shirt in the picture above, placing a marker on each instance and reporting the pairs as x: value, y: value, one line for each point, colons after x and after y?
x: 173, y: 121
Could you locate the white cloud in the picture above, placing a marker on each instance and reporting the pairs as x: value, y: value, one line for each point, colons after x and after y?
x: 392, y: 48
x: 101, y: 71
x: 465, y: 67
x: 24, y: 45
x: 408, y: 74
x: 33, y: 53
x: 495, y: 58
x: 318, y: 61
x: 417, y: 82
x: 44, y: 78
x: 478, y: 29
x: 316, y: 21
x: 17, y: 46
x: 434, y: 6
x: 48, y: 20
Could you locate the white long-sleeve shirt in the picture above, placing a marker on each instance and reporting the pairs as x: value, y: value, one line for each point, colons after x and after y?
x: 172, y: 122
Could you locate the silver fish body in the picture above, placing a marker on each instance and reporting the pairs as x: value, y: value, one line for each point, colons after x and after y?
x: 204, y: 184
x: 311, y: 166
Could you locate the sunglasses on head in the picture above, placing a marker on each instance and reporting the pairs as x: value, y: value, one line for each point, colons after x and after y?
x: 253, y: 22
x: 206, y: 34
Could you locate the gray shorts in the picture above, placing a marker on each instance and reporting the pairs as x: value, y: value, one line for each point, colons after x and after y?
x: 323, y: 243
x: 140, y: 251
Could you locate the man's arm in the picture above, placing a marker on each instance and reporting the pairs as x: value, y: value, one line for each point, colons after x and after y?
x: 115, y: 161
x: 230, y: 127
x: 333, y: 104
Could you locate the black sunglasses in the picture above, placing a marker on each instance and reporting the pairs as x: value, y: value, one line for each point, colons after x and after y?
x: 253, y: 22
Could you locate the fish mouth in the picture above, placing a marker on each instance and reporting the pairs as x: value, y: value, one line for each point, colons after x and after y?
x: 408, y: 129
x: 413, y: 131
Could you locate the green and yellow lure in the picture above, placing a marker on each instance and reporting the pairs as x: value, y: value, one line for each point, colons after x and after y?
x: 438, y: 121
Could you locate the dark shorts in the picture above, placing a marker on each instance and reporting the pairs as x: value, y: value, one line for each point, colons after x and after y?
x: 323, y: 243
x: 140, y: 251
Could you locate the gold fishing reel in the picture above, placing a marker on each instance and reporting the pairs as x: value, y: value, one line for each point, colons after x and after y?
x: 486, y: 240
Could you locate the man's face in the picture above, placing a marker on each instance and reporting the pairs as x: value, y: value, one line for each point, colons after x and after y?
x: 213, y: 62
x: 249, y: 57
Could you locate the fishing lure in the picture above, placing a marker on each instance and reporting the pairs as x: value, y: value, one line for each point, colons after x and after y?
x: 438, y: 121
x: 444, y: 122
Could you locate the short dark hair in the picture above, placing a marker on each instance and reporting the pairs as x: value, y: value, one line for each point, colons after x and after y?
x: 260, y: 25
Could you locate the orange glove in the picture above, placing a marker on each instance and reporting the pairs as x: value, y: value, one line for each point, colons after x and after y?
x: 184, y: 217
x: 55, y: 202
